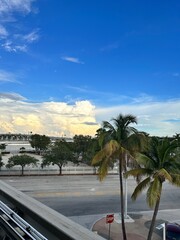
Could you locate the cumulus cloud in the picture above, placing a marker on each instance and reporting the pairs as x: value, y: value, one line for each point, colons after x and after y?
x: 72, y: 59
x: 82, y: 117
x: 50, y: 118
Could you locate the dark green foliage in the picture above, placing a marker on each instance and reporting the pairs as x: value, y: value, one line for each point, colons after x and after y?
x: 1, y: 162
x: 22, y: 150
x: 22, y: 160
x: 59, y: 154
x: 2, y: 146
x: 92, y: 149
x: 3, y: 153
x: 39, y: 142
x: 82, y: 147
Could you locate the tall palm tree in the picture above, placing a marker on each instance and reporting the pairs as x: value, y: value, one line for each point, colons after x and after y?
x: 156, y: 165
x: 119, y: 141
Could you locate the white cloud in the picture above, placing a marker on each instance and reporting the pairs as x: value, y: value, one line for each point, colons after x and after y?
x: 8, y: 6
x: 3, y: 32
x: 7, y: 77
x: 31, y: 37
x: 143, y: 97
x: 82, y: 117
x: 9, y: 46
x: 50, y: 118
x: 11, y: 96
x: 11, y: 39
x: 152, y: 116
x: 72, y: 59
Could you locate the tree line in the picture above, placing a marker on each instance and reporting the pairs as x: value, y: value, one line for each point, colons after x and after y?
x: 53, y: 153
x: 150, y: 160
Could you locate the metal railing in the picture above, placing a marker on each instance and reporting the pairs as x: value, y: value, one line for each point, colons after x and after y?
x: 16, y: 227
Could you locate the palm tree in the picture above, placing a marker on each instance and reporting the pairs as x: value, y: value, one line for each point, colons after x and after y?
x: 118, y: 141
x: 156, y: 165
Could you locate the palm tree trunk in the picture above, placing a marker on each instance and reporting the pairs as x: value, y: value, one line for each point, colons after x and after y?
x: 153, y: 219
x: 122, y: 200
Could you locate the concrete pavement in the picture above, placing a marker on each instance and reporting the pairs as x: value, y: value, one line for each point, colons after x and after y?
x: 137, y: 226
x: 136, y: 229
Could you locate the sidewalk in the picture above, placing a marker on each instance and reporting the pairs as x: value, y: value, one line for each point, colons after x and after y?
x: 138, y: 228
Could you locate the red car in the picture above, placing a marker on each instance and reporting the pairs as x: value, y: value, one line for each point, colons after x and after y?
x: 172, y: 231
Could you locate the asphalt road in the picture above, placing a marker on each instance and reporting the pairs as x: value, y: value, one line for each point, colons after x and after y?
x: 85, y: 195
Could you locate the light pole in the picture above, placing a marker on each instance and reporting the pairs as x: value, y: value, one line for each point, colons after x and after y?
x: 125, y: 190
x: 125, y: 198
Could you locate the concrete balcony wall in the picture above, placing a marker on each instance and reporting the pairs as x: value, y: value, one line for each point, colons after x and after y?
x: 48, y: 222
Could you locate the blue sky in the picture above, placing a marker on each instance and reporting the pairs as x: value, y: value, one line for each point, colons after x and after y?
x: 65, y: 65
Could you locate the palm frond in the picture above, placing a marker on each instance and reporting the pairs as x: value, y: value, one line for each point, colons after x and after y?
x: 111, y: 148
x: 143, y: 159
x: 108, y: 126
x: 154, y: 192
x: 128, y: 119
x: 171, y: 146
x: 103, y: 170
x: 176, y: 179
x: 164, y: 150
x: 98, y: 158
x: 163, y: 175
x: 136, y: 142
x: 138, y: 171
x: 172, y: 165
x: 106, y: 157
x: 140, y: 187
